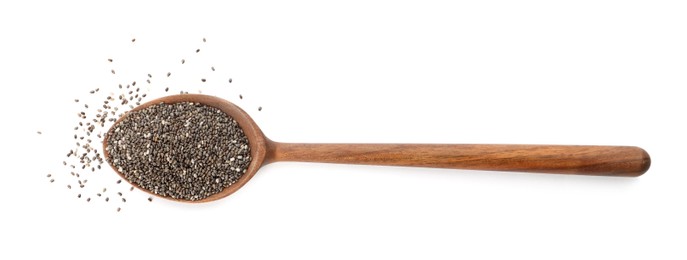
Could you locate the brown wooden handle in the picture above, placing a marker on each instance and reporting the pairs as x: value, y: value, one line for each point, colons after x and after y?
x: 561, y: 159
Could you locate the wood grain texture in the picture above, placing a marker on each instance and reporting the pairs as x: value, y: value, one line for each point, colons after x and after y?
x: 582, y: 160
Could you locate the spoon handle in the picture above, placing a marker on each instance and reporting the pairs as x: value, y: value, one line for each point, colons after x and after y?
x: 626, y: 161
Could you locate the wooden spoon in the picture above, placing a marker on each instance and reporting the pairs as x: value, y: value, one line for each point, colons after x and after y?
x: 624, y: 161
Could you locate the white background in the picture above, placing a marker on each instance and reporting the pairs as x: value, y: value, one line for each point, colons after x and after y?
x: 535, y: 72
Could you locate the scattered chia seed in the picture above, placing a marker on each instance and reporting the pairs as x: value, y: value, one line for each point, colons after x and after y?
x: 259, y: 108
x: 119, y: 209
x: 180, y: 151
x: 210, y: 176
x: 39, y: 132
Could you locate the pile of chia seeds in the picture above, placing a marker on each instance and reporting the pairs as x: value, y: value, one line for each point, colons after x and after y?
x: 185, y: 150
x: 102, y: 106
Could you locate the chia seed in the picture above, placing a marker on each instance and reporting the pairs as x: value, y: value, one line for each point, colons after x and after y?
x: 179, y: 151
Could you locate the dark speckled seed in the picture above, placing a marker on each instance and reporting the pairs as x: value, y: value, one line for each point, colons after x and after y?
x: 182, y: 151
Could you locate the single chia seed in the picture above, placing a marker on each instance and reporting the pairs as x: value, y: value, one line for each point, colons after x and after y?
x: 180, y: 151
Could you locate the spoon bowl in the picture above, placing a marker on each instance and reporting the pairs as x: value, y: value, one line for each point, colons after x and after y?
x: 256, y: 139
x: 593, y: 160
